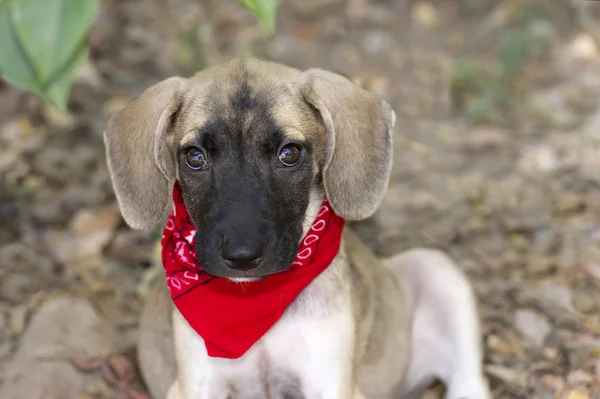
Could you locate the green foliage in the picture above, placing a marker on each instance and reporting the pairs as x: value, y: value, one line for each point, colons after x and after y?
x: 42, y: 42
x: 477, y: 92
x: 523, y: 42
x: 474, y: 92
x: 265, y: 11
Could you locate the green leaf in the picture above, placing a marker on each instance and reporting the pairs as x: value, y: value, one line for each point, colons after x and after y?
x: 481, y: 106
x: 51, y: 31
x: 57, y: 92
x: 42, y: 42
x: 265, y: 11
x: 14, y: 64
x: 523, y: 43
x: 463, y: 73
x: 513, y: 52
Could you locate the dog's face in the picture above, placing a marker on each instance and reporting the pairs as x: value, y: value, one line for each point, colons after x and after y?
x: 247, y: 167
x: 255, y: 147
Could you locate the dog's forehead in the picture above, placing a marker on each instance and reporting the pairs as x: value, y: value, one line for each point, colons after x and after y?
x: 244, y: 94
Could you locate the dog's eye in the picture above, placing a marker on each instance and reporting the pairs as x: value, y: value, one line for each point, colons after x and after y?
x: 195, y: 159
x: 289, y: 156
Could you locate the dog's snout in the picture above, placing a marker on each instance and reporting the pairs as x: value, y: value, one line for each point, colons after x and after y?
x: 241, y: 255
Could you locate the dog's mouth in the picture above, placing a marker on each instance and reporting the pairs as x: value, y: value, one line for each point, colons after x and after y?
x: 273, y: 262
x: 244, y: 279
x: 258, y: 273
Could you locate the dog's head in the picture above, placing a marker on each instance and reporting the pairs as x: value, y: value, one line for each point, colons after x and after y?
x: 255, y: 147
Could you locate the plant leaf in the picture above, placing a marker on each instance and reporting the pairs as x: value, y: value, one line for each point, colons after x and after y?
x: 265, y: 11
x: 14, y: 65
x: 57, y: 92
x: 42, y: 42
x: 51, y: 31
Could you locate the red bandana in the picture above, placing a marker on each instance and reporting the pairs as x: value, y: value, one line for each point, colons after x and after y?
x: 231, y: 316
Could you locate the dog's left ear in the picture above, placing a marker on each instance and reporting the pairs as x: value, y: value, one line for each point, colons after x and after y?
x: 359, y: 154
x: 141, y: 165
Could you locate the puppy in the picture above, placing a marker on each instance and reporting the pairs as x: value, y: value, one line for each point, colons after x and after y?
x: 258, y: 149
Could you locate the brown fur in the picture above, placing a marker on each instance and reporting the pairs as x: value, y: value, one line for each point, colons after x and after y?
x: 374, y: 313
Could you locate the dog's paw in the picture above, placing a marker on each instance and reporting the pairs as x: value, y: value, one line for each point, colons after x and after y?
x: 477, y: 389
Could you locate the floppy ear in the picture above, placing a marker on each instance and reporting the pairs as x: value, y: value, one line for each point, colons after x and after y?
x: 140, y: 163
x: 359, y: 154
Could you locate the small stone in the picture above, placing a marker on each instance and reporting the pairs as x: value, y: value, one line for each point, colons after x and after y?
x: 550, y: 353
x: 552, y: 382
x: 593, y: 269
x: 18, y: 263
x: 503, y: 347
x: 63, y: 120
x: 425, y: 14
x: 583, y: 47
x: 539, y: 160
x: 480, y: 140
x: 14, y: 287
x: 377, y: 42
x: 551, y: 105
x: 586, y: 301
x: 569, y: 204
x: 578, y: 377
x: 532, y: 325
x: 131, y: 247
x: 90, y: 232
x: 47, y: 208
x: 538, y: 265
x: 6, y: 348
x: 557, y: 294
x: 510, y: 376
x: 88, y: 223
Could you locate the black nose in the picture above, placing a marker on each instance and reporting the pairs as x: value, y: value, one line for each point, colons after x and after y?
x: 241, y: 255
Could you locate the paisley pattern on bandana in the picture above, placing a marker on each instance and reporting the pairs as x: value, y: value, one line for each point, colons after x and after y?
x: 231, y: 316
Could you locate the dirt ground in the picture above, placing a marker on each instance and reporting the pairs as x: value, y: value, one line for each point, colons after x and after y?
x: 508, y: 183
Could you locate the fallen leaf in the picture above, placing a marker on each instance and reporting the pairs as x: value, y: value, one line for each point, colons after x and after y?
x: 509, y: 376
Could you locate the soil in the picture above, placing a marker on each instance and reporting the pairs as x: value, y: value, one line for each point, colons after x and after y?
x: 512, y: 194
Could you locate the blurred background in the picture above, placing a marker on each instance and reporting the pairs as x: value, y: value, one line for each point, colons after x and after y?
x: 497, y: 161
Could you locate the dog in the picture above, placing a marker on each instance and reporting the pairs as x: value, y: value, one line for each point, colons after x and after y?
x: 257, y: 147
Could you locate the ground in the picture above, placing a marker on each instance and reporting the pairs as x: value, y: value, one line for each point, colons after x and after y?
x: 497, y: 161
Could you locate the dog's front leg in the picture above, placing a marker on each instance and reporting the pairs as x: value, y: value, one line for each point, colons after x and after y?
x: 192, y: 364
x: 329, y: 369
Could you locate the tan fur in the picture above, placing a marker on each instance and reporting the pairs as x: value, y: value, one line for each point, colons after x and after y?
x: 359, y: 151
x: 363, y: 328
x: 140, y: 164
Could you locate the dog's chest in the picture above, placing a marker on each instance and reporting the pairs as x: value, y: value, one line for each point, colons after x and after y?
x: 297, y: 359
x: 258, y: 376
x: 305, y: 355
x: 279, y: 366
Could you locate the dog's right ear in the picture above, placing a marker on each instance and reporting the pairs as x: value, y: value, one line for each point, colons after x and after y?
x: 140, y: 163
